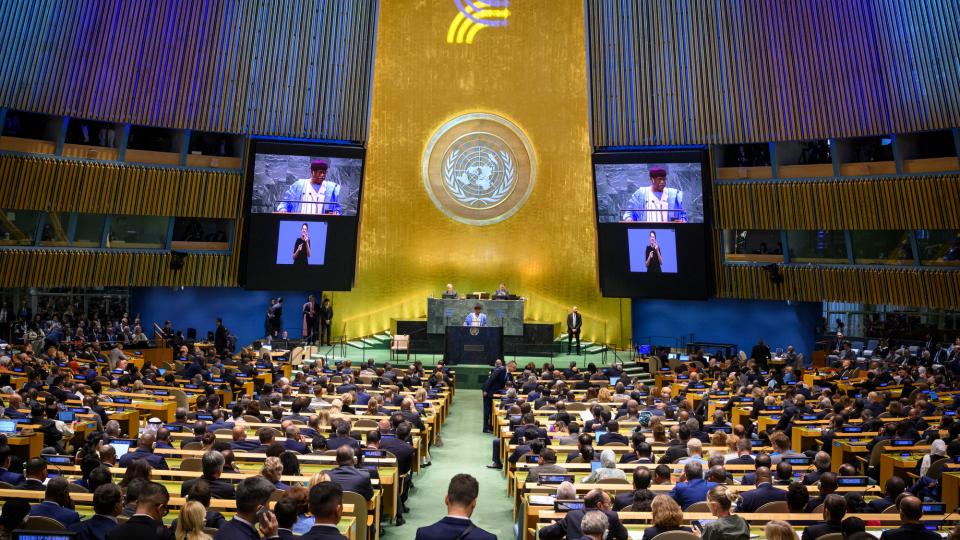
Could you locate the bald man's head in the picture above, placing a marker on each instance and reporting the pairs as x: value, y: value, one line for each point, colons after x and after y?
x: 345, y: 455
x: 147, y: 440
x: 239, y: 433
x: 763, y: 475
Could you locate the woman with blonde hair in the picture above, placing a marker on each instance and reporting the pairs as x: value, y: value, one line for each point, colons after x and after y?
x: 604, y: 396
x: 191, y: 522
x: 323, y: 417
x: 272, y: 470
x: 318, y: 478
x: 779, y: 530
x: 667, y: 516
x: 727, y: 526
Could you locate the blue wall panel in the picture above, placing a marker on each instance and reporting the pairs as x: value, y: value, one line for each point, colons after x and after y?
x: 242, y: 311
x: 729, y: 321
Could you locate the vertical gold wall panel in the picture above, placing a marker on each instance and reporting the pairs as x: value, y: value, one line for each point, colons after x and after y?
x: 532, y: 72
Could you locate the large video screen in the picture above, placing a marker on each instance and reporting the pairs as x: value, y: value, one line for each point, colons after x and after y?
x: 649, y: 192
x: 309, y: 182
x: 652, y: 226
x: 303, y: 212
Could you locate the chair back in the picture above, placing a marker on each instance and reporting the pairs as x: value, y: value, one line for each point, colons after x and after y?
x: 359, y: 513
x: 223, y: 431
x: 183, y: 402
x: 832, y: 536
x: 699, y: 506
x: 191, y: 464
x: 4, y: 485
x: 936, y: 468
x: 43, y: 523
x: 774, y: 507
x: 892, y: 509
x: 613, y: 481
x: 676, y: 535
x: 400, y: 342
x: 195, y: 445
x: 76, y: 488
x: 365, y: 423
x: 818, y: 509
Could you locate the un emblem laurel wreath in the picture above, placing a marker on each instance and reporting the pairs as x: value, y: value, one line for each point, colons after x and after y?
x: 457, y: 191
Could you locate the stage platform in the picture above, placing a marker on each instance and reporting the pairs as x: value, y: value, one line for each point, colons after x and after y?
x: 537, y: 339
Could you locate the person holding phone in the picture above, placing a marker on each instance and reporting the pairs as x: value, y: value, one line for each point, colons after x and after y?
x: 727, y: 526
x: 654, y: 259
x: 301, y: 247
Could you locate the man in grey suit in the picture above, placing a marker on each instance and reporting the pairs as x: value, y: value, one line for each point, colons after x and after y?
x: 348, y: 477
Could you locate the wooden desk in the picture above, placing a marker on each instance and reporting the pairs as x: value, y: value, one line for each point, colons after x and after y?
x: 26, y: 446
x: 951, y: 489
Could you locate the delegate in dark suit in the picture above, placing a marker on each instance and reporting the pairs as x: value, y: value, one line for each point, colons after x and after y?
x: 751, y: 500
x: 155, y: 461
x: 821, y: 529
x: 219, y: 489
x: 450, y: 527
x: 352, y: 479
x: 687, y: 493
x: 235, y: 530
x: 494, y: 385
x: 95, y: 528
x: 143, y: 528
x: 909, y: 531
x: 569, y: 527
x: 574, y: 322
x: 321, y: 532
x: 53, y: 510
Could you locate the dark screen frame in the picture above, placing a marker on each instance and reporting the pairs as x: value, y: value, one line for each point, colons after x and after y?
x: 258, y: 269
x: 694, y: 277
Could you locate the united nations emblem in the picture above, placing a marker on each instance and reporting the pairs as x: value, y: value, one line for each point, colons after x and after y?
x: 474, y: 331
x: 478, y: 168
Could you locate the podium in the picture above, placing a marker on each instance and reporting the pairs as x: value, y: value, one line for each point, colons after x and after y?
x: 473, y: 344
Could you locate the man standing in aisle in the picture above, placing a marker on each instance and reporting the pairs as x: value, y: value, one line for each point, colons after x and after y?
x: 574, y: 322
x: 495, y: 383
x: 326, y: 321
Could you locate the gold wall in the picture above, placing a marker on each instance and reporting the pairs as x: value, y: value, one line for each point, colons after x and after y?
x: 532, y: 72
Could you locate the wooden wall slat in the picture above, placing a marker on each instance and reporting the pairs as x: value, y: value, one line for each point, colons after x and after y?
x: 771, y: 70
x: 236, y: 67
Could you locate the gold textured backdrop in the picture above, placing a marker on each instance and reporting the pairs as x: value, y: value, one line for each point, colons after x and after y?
x: 534, y: 73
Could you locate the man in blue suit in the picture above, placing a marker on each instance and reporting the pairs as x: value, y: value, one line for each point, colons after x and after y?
x: 348, y: 476
x: 494, y: 385
x: 461, y: 500
x: 751, y: 500
x: 314, y: 195
x: 108, y: 504
x: 477, y: 318
x: 326, y: 505
x: 694, y: 489
x: 253, y: 494
x: 656, y: 203
x: 6, y: 475
x: 144, y: 451
x: 56, y: 503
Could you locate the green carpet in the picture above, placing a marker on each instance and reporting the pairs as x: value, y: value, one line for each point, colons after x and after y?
x: 466, y: 450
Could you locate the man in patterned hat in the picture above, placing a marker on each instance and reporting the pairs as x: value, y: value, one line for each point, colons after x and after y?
x: 314, y: 195
x: 656, y: 203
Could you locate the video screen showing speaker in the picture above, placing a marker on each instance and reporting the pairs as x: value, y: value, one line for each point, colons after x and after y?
x: 652, y: 223
x: 303, y: 213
